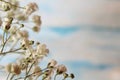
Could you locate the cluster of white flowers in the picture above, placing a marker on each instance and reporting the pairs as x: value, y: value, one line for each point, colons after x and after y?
x: 15, y: 39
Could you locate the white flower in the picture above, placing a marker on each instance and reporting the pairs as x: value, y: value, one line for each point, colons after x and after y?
x: 52, y: 63
x: 15, y: 68
x: 37, y: 20
x: 37, y: 70
x: 41, y: 50
x: 61, y: 69
x: 8, y: 67
x: 6, y: 6
x: 7, y: 23
x: 30, y: 8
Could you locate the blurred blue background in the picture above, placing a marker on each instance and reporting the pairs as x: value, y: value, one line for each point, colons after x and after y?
x: 84, y: 35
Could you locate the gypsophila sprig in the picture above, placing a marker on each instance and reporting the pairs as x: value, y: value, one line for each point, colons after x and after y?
x: 14, y: 39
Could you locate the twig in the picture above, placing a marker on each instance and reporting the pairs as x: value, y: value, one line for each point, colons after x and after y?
x: 12, y: 76
x: 10, y: 51
x: 8, y: 76
x: 13, y: 4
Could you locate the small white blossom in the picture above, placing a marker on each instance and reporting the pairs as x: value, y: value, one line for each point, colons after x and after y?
x: 37, y: 70
x: 30, y: 8
x: 5, y: 6
x: 37, y: 20
x: 61, y: 69
x: 41, y: 50
x: 52, y: 63
x: 7, y: 23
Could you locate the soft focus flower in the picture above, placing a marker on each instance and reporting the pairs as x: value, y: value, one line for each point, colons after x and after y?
x: 15, y: 69
x: 24, y: 34
x: 36, y: 28
x: 30, y: 8
x: 37, y: 71
x: 52, y: 63
x: 48, y: 74
x: 21, y: 17
x: 7, y: 23
x: 37, y: 20
x: 5, y: 6
x: 8, y: 67
x: 61, y: 69
x: 41, y: 50
x: 22, y: 63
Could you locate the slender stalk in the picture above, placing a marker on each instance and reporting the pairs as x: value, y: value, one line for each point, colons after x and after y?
x: 8, y: 76
x: 12, y: 76
x: 3, y: 36
x: 29, y: 70
x: 30, y: 67
x: 10, y: 51
x: 55, y: 76
x: 13, y: 4
x: 3, y: 42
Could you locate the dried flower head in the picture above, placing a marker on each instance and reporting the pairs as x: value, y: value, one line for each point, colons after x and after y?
x: 36, y: 28
x: 61, y: 69
x: 37, y: 71
x: 52, y: 63
x: 37, y: 20
x: 24, y: 34
x: 8, y: 67
x: 6, y: 6
x: 30, y: 8
x: 20, y: 16
x: 7, y: 23
x: 15, y: 69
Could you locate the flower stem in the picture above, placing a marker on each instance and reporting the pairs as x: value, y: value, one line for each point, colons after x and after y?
x: 10, y: 51
x: 12, y: 76
x: 8, y: 76
x: 55, y: 76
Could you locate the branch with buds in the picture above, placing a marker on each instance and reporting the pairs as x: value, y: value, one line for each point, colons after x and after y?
x: 14, y: 39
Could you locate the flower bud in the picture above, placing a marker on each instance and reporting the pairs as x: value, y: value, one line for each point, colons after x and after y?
x: 31, y: 42
x: 65, y: 75
x: 61, y: 69
x: 72, y: 75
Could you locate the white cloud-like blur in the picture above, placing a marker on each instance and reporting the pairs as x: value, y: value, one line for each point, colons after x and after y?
x: 77, y: 12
